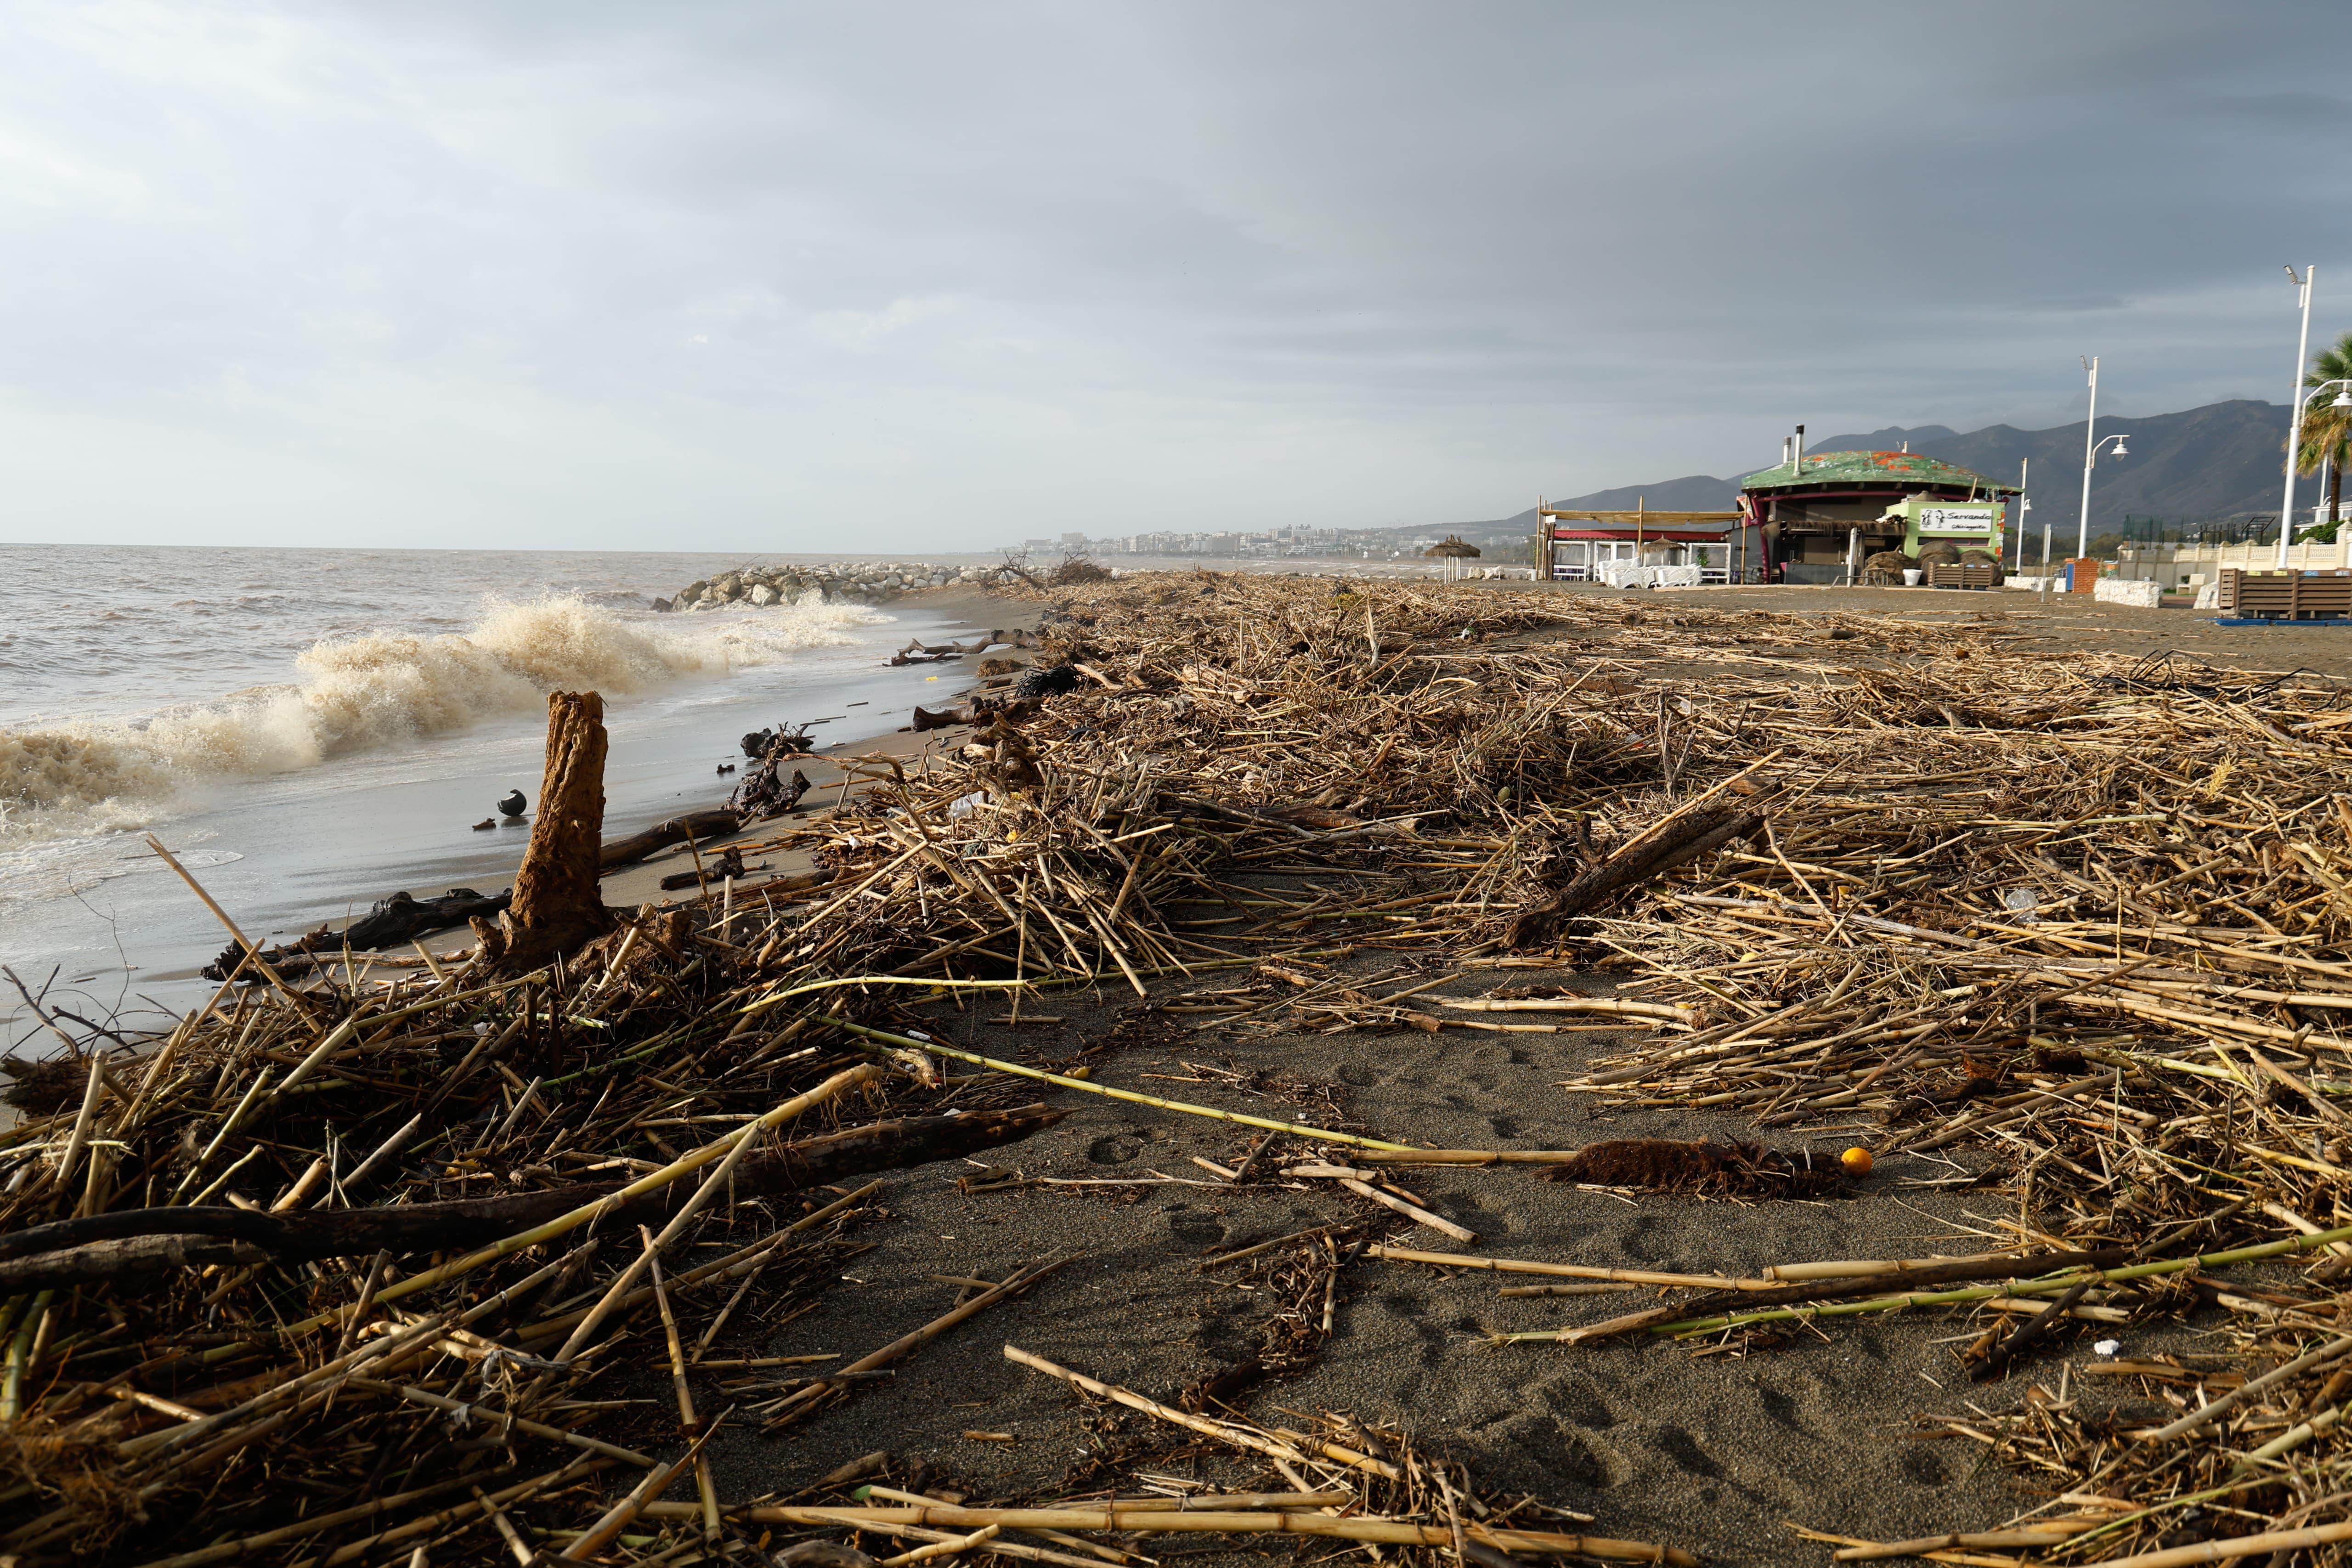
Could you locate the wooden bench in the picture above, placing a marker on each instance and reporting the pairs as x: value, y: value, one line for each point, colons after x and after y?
x: 1961, y: 575
x: 2286, y: 595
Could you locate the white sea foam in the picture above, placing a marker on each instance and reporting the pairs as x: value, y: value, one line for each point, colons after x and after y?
x: 75, y: 776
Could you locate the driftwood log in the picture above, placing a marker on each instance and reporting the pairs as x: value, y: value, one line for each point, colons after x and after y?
x: 761, y: 745
x: 1016, y: 638
x: 945, y: 719
x: 556, y: 907
x: 717, y: 868
x: 392, y: 921
x: 1683, y: 837
x: 765, y: 792
x: 715, y: 823
x: 132, y: 1241
x: 400, y: 917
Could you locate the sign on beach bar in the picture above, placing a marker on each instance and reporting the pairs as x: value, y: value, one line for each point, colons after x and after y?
x: 1975, y: 519
x: 1927, y: 518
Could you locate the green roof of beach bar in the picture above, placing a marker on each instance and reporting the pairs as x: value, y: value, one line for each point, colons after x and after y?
x: 1905, y: 470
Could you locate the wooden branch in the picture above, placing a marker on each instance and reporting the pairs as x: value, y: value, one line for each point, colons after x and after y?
x: 556, y: 907
x: 1121, y: 1518
x: 1683, y: 837
x: 700, y: 825
x: 105, y: 1247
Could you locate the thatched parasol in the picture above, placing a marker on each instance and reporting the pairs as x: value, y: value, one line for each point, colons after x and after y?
x: 1452, y: 544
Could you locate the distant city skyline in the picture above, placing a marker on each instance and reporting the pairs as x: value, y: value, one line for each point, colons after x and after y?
x: 799, y: 278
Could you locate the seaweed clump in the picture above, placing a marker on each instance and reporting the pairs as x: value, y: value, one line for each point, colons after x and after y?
x: 1704, y: 1167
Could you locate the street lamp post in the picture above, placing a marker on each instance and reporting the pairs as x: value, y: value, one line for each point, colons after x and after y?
x: 2295, y: 420
x: 2091, y: 442
x: 2024, y: 466
x: 2343, y: 399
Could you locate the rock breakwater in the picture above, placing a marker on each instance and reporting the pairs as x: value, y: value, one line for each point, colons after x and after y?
x: 856, y: 582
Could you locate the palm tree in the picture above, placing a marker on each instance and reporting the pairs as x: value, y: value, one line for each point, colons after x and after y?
x: 2328, y: 430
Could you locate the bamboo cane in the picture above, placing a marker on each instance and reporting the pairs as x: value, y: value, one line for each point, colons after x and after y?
x: 1177, y: 1521
x: 1130, y: 1096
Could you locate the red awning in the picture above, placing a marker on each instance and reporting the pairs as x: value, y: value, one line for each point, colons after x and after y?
x: 1648, y: 535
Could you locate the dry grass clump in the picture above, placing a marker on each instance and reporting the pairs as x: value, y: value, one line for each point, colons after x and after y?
x: 1075, y: 571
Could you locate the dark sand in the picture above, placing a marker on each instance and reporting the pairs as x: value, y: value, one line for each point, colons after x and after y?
x: 1718, y: 1453
x: 1710, y: 1453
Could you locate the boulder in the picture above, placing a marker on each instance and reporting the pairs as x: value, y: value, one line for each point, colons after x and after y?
x: 763, y: 595
x: 2148, y: 595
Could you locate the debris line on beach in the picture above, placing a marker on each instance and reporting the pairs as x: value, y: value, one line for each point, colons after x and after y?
x: 374, y: 1257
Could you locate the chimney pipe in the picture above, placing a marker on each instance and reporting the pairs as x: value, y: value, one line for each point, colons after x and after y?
x: 1801, y: 452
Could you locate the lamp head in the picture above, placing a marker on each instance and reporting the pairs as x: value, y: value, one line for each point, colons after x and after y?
x: 2120, y: 451
x: 2343, y: 397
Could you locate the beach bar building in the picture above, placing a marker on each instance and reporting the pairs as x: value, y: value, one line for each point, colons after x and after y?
x: 1821, y: 516
x: 1623, y: 547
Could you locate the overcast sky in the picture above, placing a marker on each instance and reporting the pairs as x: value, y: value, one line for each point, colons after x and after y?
x: 879, y: 276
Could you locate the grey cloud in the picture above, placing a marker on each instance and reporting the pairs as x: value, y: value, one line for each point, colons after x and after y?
x: 790, y: 274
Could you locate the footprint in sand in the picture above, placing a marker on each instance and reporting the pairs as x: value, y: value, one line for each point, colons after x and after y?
x: 1533, y: 1450
x: 1584, y: 1460
x: 1640, y: 1241
x: 1682, y: 1448
x: 1579, y: 1404
x: 1922, y: 1467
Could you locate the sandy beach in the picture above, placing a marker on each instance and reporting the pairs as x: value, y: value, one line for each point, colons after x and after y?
x: 1210, y: 908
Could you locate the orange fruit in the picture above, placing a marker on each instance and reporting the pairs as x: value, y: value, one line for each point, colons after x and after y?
x: 1856, y: 1161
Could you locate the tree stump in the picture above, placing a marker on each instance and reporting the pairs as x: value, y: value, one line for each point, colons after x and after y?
x: 556, y: 907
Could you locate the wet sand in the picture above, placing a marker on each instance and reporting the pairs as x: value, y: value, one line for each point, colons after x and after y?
x: 956, y: 615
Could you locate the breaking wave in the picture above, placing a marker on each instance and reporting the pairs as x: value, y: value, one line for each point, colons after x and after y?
x: 377, y: 691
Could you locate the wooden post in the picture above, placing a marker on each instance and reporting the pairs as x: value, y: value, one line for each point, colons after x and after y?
x: 557, y: 907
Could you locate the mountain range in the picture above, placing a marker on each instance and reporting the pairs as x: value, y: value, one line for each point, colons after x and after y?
x: 2222, y: 460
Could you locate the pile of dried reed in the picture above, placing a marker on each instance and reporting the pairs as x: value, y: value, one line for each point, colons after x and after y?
x: 1925, y: 883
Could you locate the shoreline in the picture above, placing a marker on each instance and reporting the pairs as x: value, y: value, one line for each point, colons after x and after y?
x: 639, y: 884
x: 308, y: 859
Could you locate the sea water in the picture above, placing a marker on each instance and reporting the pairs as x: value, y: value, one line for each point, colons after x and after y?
x: 308, y: 730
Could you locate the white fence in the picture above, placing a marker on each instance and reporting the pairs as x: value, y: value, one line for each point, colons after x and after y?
x: 1595, y: 561
x: 1637, y: 574
x: 2185, y: 565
